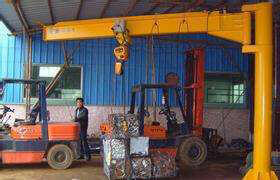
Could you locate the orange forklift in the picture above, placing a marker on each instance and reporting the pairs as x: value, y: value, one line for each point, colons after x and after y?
x: 29, y: 141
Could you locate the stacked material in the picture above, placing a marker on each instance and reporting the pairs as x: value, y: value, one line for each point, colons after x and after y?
x: 140, y: 161
x: 116, y: 158
x: 116, y: 148
x: 123, y: 126
x: 126, y: 155
x: 164, y: 165
x: 141, y: 167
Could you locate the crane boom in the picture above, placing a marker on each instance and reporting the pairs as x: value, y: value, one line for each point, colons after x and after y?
x: 231, y: 26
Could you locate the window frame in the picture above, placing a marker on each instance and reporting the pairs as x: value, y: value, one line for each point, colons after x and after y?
x: 53, y: 101
x: 223, y: 77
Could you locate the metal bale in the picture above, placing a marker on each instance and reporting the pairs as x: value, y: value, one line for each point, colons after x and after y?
x: 119, y: 126
x: 118, y: 169
x: 141, y: 167
x: 116, y: 158
x: 164, y: 165
x: 133, y: 125
x: 124, y: 125
x: 139, y: 146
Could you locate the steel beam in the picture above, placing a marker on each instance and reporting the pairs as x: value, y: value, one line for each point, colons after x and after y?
x: 192, y: 5
x: 235, y: 26
x: 79, y: 10
x: 131, y: 7
x: 50, y: 11
x: 169, y: 9
x: 20, y: 14
x: 28, y: 71
x: 156, y: 5
x: 105, y: 8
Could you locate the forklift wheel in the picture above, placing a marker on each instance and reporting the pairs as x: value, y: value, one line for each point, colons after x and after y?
x: 60, y: 156
x: 192, y: 152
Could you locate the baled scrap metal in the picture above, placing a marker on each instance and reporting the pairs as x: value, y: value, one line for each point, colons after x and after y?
x: 118, y: 169
x: 115, y: 148
x: 133, y: 125
x: 141, y: 167
x: 124, y: 125
x: 116, y: 161
x: 139, y: 146
x: 164, y: 165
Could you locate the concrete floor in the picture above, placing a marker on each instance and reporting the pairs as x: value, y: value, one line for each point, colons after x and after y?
x: 221, y: 169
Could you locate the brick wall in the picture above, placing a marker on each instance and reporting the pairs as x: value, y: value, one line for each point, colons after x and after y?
x: 231, y: 123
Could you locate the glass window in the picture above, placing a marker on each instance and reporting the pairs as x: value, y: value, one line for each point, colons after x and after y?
x: 224, y: 89
x: 69, y: 85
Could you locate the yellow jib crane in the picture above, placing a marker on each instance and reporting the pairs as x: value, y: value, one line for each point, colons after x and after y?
x: 231, y: 26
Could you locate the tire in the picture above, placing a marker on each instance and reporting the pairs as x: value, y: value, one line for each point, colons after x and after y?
x: 60, y: 156
x: 192, y: 152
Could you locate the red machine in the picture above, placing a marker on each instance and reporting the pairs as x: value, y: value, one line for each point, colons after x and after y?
x: 194, y: 89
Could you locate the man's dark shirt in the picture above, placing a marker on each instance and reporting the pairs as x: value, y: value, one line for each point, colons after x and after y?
x: 81, y: 116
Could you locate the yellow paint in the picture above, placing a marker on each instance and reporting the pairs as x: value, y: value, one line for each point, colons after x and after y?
x: 263, y: 50
x: 228, y: 26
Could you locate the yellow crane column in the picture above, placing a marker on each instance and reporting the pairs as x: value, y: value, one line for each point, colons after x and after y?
x: 263, y: 50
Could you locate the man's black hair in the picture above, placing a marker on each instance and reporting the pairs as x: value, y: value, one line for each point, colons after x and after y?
x: 80, y: 99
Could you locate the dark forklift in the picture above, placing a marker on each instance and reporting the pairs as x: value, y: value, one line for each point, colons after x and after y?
x: 190, y: 149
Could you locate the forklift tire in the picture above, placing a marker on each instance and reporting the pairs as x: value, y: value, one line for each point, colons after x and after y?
x: 192, y: 152
x: 60, y: 156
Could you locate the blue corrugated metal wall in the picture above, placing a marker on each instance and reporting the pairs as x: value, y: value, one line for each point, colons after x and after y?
x: 12, y: 57
x: 100, y: 86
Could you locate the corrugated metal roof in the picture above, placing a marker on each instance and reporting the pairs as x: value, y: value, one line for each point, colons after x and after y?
x: 36, y: 12
x: 64, y: 10
x: 117, y: 8
x: 8, y: 13
x: 92, y: 9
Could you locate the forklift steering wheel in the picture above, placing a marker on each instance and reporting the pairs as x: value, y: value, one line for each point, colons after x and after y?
x: 161, y: 111
x: 7, y: 109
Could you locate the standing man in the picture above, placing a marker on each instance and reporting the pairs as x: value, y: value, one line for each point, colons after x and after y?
x: 81, y: 116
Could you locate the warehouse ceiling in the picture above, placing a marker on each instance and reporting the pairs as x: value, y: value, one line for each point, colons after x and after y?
x: 19, y: 15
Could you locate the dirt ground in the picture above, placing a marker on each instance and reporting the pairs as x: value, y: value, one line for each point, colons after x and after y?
x: 218, y: 169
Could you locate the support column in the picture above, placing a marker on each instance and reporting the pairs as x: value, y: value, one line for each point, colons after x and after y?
x: 28, y: 75
x: 263, y: 50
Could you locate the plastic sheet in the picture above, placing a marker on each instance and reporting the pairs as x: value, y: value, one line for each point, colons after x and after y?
x: 139, y: 146
x: 164, y: 165
x: 141, y: 168
x: 124, y: 125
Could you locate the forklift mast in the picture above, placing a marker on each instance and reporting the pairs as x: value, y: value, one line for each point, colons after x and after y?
x: 41, y: 109
x: 141, y: 88
x: 194, y: 89
x: 31, y: 142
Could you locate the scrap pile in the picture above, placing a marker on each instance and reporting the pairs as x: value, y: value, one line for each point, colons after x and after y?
x: 127, y: 155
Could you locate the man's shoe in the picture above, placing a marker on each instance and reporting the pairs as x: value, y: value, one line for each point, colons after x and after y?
x: 81, y: 157
x: 88, y: 158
